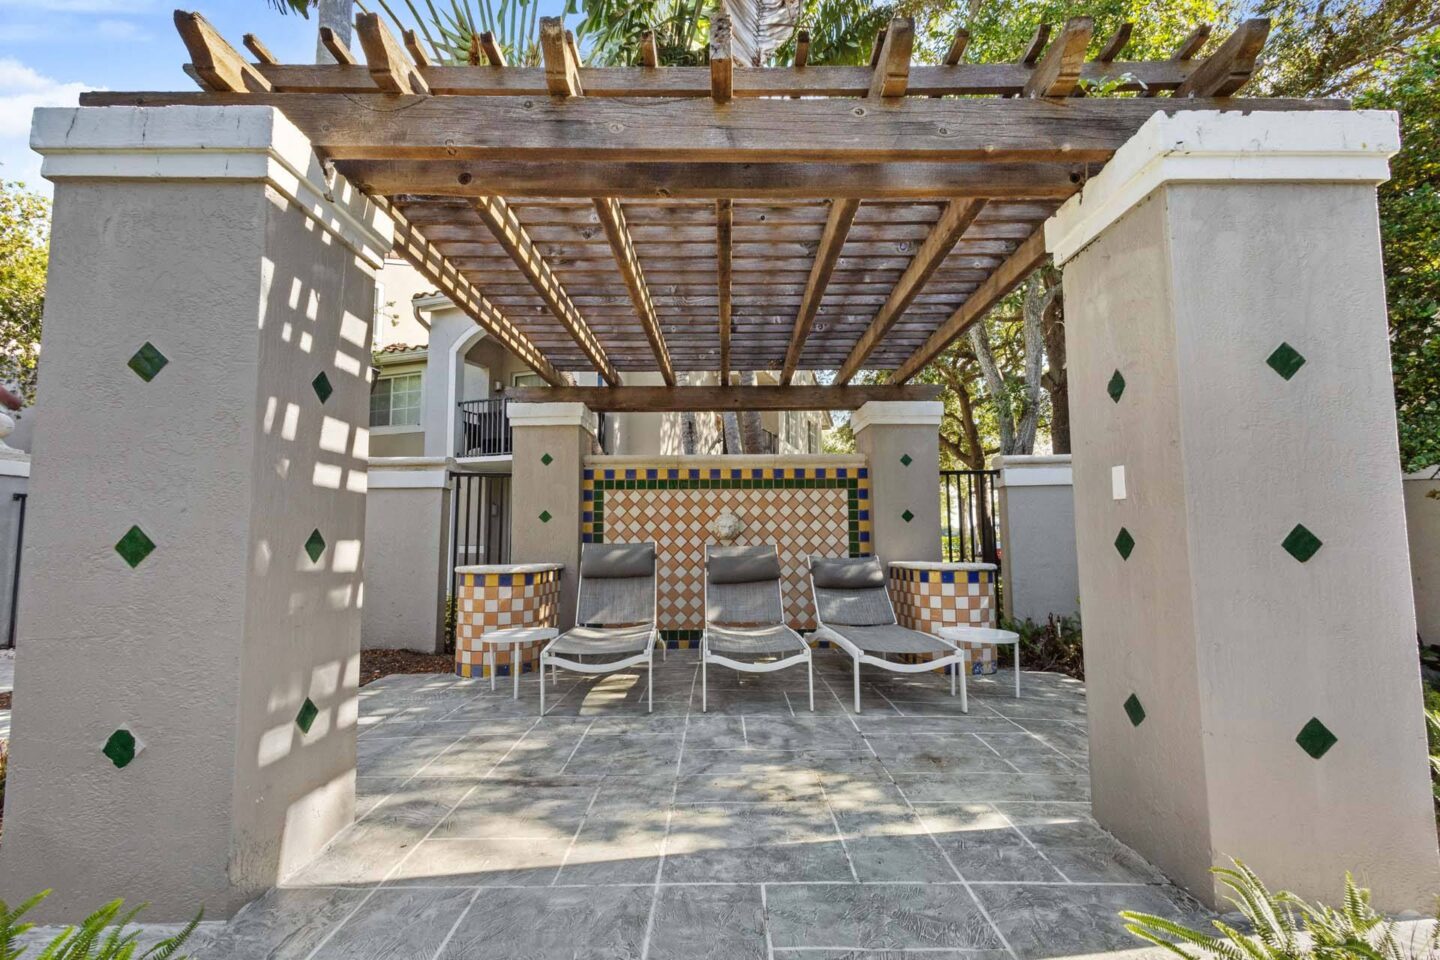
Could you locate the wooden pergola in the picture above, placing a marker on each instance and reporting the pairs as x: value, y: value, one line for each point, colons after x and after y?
x: 726, y: 217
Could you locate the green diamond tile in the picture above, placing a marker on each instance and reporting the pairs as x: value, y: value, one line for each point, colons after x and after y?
x: 905, y: 459
x: 1116, y: 386
x: 148, y: 361
x: 1301, y: 543
x: 1124, y: 543
x: 907, y: 516
x: 1315, y: 738
x: 315, y: 546
x: 305, y: 719
x: 322, y: 387
x: 1286, y: 360
x: 547, y: 459
x: 544, y: 516
x: 120, y: 747
x: 1134, y: 710
x: 134, y: 546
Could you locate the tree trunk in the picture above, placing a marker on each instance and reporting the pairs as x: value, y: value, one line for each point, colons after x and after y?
x: 689, y: 431
x: 995, y: 384
x: 731, y: 424
x: 338, y: 15
x: 1056, y: 379
x: 752, y: 429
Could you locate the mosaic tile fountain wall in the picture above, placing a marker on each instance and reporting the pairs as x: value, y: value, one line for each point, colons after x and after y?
x: 930, y: 599
x: 803, y: 510
x: 498, y: 601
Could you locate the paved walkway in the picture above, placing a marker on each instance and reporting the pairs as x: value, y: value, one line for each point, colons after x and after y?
x: 758, y: 830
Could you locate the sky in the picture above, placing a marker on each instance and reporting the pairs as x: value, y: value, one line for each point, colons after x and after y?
x: 51, y: 50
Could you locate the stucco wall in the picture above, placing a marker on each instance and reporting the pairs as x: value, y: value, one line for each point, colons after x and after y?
x: 904, y: 468
x: 552, y: 489
x: 406, y: 576
x: 1037, y: 537
x: 1422, y: 523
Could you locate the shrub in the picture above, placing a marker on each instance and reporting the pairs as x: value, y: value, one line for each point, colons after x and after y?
x: 1432, y: 728
x: 90, y: 941
x: 1054, y: 645
x: 1285, y: 927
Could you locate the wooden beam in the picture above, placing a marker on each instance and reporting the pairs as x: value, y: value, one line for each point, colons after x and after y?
x: 435, y: 268
x: 1190, y: 46
x: 662, y: 181
x: 649, y: 53
x: 958, y: 43
x: 954, y: 220
x: 723, y: 398
x: 562, y: 71
x: 1036, y: 46
x: 1006, y: 277
x: 385, y: 126
x: 219, y: 66
x: 494, y: 54
x: 837, y: 228
x: 612, y: 219
x: 511, y: 236
x: 336, y: 46
x: 802, y: 49
x: 385, y: 58
x: 262, y: 53
x: 724, y: 221
x: 1116, y: 44
x: 1058, y: 73
x: 1230, y: 67
x: 416, y: 50
x: 722, y: 64
x: 892, y: 69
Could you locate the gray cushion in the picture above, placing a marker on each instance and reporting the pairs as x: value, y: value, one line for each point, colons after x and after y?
x: 847, y: 573
x: 615, y: 561
x: 744, y: 565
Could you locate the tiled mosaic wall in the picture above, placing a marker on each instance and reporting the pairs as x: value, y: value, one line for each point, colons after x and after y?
x: 497, y: 601
x: 930, y: 599
x: 803, y: 510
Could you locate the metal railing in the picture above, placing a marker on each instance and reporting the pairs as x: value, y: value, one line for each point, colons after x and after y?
x: 14, y: 585
x: 969, y: 509
x: 484, y: 428
x: 479, y: 522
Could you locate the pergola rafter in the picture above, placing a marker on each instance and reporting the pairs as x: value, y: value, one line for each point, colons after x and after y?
x: 725, y: 217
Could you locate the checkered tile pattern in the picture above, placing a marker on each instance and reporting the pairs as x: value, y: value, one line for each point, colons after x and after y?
x: 802, y: 511
x: 498, y: 601
x: 933, y: 598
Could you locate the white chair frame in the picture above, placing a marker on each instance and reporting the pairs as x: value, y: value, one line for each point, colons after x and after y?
x: 707, y: 657
x: 611, y: 666
x: 859, y: 656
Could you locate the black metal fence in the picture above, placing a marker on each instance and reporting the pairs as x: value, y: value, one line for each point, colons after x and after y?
x: 969, y: 510
x: 13, y: 543
x: 484, y: 428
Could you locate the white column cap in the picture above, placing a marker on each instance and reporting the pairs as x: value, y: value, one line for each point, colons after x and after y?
x: 229, y: 143
x: 551, y: 415
x: 1205, y: 146
x: 926, y: 413
x: 1033, y: 470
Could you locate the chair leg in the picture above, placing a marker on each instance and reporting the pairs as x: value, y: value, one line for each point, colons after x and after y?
x: 954, y: 669
x: 542, y: 682
x: 704, y: 684
x: 810, y: 678
x: 857, y: 685
x: 650, y: 683
x: 490, y: 655
x: 964, y: 694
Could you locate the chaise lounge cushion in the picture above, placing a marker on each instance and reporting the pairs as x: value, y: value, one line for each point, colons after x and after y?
x: 887, y: 638
x: 597, y: 640
x: 744, y: 565
x: 847, y: 573
x: 617, y: 561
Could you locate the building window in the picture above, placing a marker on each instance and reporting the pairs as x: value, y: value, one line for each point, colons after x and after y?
x: 528, y: 380
x: 395, y: 401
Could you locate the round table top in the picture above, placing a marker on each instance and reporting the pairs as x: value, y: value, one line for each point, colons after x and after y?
x: 516, y: 635
x: 979, y: 634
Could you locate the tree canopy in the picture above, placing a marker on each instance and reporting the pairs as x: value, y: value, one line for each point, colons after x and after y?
x: 24, y: 253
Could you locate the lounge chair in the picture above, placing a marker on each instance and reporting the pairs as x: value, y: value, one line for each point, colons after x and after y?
x: 744, y: 618
x: 614, y: 616
x: 855, y: 613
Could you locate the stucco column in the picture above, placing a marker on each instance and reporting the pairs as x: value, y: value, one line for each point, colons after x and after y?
x: 551, y: 441
x: 901, y: 442
x: 1037, y: 535
x: 1244, y: 581
x: 407, y: 556
x: 184, y: 728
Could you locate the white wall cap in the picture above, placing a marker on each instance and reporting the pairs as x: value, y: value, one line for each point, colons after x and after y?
x: 408, y: 473
x: 1425, y: 474
x: 897, y: 412
x: 1033, y: 470
x: 550, y: 415
x: 1207, y: 146
x: 510, y: 568
x: 934, y: 565
x: 1021, y: 460
x: 736, y: 461
x: 247, y: 143
x: 15, y: 466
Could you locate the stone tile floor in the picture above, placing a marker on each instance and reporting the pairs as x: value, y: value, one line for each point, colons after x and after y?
x: 756, y: 830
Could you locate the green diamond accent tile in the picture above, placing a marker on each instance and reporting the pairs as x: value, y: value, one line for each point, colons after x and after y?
x: 322, y: 387
x: 305, y: 719
x: 1301, y: 543
x: 134, y: 546
x: 1286, y: 360
x: 1116, y: 386
x: 1134, y: 710
x: 148, y: 361
x: 1124, y: 543
x: 544, y: 516
x: 120, y: 747
x: 905, y: 459
x: 547, y: 459
x: 315, y: 546
x: 907, y: 516
x: 1316, y: 739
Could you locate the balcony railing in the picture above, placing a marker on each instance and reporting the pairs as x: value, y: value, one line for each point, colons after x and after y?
x: 484, y: 428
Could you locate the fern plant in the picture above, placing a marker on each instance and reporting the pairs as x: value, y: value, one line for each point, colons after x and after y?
x: 1285, y: 927
x: 100, y: 936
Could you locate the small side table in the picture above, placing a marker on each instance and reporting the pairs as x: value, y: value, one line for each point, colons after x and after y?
x: 986, y: 635
x: 516, y: 637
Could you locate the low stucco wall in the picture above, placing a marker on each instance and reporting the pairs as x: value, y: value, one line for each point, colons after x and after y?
x: 406, y: 525
x: 1037, y: 537
x: 1422, y: 521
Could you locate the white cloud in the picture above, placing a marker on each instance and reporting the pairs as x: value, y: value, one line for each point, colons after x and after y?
x: 112, y: 29
x: 22, y: 89
x: 75, y: 6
